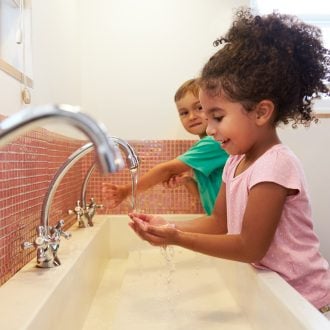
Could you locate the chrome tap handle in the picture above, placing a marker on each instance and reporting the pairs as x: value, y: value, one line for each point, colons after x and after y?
x: 57, y: 232
x: 91, y: 210
x: 79, y: 212
x: 78, y: 209
x: 39, y: 242
x: 27, y: 245
x: 42, y: 244
x: 55, y: 236
x: 59, y: 225
x: 92, y: 205
x: 65, y: 234
x: 91, y: 202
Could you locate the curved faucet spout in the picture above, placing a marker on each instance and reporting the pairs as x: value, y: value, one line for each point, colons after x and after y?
x: 132, y: 158
x: 32, y: 117
x: 109, y: 156
x: 132, y: 161
x: 63, y: 169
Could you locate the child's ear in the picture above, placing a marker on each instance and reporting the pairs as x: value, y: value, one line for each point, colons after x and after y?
x: 264, y: 111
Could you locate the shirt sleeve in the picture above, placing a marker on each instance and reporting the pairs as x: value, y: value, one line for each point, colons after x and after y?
x: 205, y: 156
x: 279, y: 167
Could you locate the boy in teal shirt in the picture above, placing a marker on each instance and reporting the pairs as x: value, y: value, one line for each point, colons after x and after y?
x: 205, y: 158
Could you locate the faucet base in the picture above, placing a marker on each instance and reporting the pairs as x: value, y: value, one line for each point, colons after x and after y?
x: 49, y: 264
x: 81, y: 224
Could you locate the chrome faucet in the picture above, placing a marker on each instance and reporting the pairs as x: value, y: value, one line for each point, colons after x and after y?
x: 79, y: 212
x: 48, y: 238
x: 132, y: 162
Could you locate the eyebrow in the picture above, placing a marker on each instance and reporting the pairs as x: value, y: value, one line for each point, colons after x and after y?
x: 214, y: 109
x: 194, y: 104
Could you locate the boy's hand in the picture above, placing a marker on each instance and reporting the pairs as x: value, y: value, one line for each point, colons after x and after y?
x: 177, y: 180
x: 114, y: 194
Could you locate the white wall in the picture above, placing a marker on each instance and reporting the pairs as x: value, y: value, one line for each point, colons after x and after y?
x: 136, y: 54
x: 56, y: 52
x: 310, y: 145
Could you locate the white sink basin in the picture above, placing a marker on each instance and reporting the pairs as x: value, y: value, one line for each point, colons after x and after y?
x: 110, y: 279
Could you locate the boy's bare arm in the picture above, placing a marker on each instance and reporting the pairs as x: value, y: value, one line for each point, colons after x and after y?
x: 160, y: 173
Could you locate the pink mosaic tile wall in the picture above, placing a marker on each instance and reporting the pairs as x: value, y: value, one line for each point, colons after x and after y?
x: 27, y: 166
x: 157, y: 199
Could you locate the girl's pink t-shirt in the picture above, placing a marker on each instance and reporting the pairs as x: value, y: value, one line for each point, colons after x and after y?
x: 294, y: 252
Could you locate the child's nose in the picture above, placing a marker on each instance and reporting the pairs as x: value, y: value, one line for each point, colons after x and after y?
x: 192, y: 115
x: 209, y: 130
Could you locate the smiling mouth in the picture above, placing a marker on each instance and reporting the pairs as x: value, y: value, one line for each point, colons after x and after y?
x: 223, y: 142
x: 194, y: 125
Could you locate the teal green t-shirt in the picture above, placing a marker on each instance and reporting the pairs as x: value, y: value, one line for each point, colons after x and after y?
x: 207, y: 159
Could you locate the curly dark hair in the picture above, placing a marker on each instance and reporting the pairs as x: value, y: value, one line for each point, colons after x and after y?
x: 275, y: 57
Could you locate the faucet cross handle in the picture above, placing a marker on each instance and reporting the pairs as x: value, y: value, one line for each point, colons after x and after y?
x: 79, y: 212
x: 55, y: 236
x: 91, y: 210
x: 39, y: 242
x: 56, y: 232
x: 92, y: 204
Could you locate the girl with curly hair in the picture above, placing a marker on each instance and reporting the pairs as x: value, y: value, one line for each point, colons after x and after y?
x: 268, y: 72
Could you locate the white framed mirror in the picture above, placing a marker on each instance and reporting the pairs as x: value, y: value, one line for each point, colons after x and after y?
x: 15, y: 40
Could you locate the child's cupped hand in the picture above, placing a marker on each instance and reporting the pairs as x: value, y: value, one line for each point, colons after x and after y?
x: 153, y: 229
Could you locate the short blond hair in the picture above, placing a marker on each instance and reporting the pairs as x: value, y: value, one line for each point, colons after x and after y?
x: 190, y: 85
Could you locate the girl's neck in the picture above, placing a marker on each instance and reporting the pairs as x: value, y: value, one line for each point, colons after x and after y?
x: 257, y: 151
